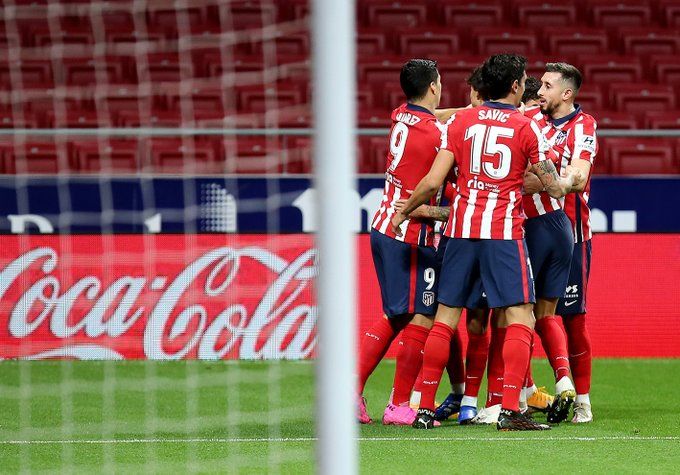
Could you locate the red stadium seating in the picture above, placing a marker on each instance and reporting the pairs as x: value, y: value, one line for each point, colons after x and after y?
x: 539, y: 13
x: 638, y: 99
x: 591, y: 98
x: 620, y: 13
x: 254, y: 155
x: 113, y: 156
x: 569, y: 41
x: 646, y: 41
x: 608, y: 69
x: 613, y: 120
x: 39, y: 157
x: 504, y: 40
x: 466, y: 15
x: 428, y: 44
x: 670, y: 12
x: 662, y: 120
x: 666, y: 68
x: 395, y: 15
x: 174, y: 155
x: 371, y: 42
x: 637, y: 157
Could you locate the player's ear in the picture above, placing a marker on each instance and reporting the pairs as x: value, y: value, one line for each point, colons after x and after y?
x: 515, y: 86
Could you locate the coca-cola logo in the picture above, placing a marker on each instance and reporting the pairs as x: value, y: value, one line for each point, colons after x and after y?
x: 238, y: 302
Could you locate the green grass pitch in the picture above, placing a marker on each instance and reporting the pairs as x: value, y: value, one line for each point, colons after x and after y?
x: 255, y: 417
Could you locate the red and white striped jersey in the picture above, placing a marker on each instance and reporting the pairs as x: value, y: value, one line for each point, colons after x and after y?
x: 492, y: 145
x: 574, y: 137
x: 541, y: 203
x: 414, y: 141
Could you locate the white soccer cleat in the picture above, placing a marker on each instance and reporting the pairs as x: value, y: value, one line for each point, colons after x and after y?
x: 582, y: 413
x: 487, y: 415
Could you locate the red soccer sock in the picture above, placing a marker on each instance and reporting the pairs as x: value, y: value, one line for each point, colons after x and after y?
x: 529, y: 378
x: 475, y: 364
x: 580, y: 353
x: 436, y: 356
x: 374, y: 345
x: 409, y: 362
x: 516, y: 351
x: 555, y: 345
x: 494, y: 372
x: 456, y: 367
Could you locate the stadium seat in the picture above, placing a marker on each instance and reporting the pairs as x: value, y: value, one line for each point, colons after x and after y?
x: 80, y: 119
x: 467, y: 15
x: 257, y: 99
x: 372, y: 43
x: 504, y: 40
x: 297, y: 153
x: 395, y: 15
x: 428, y: 44
x: 31, y: 72
x: 662, y: 120
x: 372, y: 118
x: 569, y: 41
x: 613, y: 120
x: 607, y: 69
x: 9, y: 121
x: 175, y: 155
x: 641, y: 157
x: 646, y: 41
x: 246, y: 16
x: 251, y: 155
x: 670, y: 12
x: 379, y: 71
x: 458, y: 69
x: 111, y: 155
x: 39, y: 157
x: 540, y: 13
x: 641, y: 98
x: 79, y: 72
x: 620, y: 13
x: 79, y: 35
x: 590, y: 97
x: 666, y: 68
x: 165, y: 68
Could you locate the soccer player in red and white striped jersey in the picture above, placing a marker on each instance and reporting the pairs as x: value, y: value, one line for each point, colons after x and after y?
x: 405, y: 262
x: 492, y: 146
x: 572, y: 134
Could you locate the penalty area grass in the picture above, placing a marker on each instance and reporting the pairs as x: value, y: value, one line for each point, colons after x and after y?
x: 255, y: 417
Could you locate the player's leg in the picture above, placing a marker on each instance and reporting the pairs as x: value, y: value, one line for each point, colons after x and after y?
x: 572, y: 308
x: 508, y: 282
x: 477, y: 354
x: 550, y: 244
x: 494, y: 373
x: 460, y: 269
x: 455, y: 368
x: 392, y: 260
x: 410, y: 356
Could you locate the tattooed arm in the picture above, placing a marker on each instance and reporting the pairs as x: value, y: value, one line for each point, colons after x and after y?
x: 437, y: 213
x: 555, y: 185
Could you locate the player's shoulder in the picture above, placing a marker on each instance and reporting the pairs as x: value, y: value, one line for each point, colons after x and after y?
x: 586, y: 119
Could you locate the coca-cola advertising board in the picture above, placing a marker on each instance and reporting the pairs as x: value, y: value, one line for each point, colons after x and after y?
x: 252, y: 296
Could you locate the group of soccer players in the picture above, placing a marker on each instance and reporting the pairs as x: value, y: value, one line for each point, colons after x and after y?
x: 514, y: 168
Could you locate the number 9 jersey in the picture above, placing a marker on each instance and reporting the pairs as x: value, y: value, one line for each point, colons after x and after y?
x: 492, y: 145
x: 414, y: 142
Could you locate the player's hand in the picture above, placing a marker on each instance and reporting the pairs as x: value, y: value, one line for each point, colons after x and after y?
x: 397, y: 219
x: 420, y: 212
x: 532, y: 184
x: 575, y: 173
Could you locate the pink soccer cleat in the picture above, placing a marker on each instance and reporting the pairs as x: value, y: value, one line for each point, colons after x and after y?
x: 362, y: 413
x: 399, y: 416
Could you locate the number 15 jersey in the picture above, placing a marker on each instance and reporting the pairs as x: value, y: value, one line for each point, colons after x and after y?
x: 492, y: 145
x: 414, y: 142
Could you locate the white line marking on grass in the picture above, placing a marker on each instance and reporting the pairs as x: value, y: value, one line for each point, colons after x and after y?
x: 314, y: 439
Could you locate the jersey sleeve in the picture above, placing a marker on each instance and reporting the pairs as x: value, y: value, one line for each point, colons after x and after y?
x: 585, y: 140
x: 534, y: 144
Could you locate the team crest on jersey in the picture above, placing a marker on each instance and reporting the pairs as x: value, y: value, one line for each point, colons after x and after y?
x: 561, y: 137
x: 428, y: 298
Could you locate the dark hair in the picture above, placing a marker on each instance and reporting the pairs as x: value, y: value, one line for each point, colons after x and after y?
x: 569, y: 73
x: 416, y: 76
x: 531, y: 87
x: 475, y: 80
x: 499, y: 72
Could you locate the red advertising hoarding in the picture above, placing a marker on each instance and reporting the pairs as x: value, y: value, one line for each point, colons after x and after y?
x: 252, y: 297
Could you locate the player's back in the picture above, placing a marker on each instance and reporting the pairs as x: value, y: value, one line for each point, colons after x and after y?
x: 492, y: 145
x: 414, y: 140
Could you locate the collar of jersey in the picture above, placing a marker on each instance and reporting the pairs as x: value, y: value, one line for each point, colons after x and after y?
x: 499, y: 105
x: 415, y: 107
x: 566, y: 118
